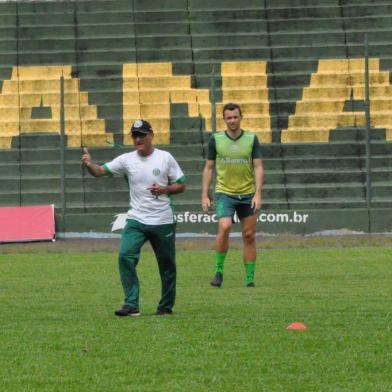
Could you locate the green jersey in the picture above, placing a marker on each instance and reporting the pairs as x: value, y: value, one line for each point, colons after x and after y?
x: 234, y: 162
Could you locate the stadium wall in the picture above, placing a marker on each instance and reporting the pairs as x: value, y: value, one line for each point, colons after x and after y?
x: 296, y: 67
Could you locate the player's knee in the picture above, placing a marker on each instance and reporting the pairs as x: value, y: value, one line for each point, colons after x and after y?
x: 249, y: 236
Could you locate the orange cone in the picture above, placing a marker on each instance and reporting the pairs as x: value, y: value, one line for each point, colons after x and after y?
x: 297, y: 326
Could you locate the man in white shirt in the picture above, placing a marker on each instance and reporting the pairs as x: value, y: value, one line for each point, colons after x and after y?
x: 153, y: 175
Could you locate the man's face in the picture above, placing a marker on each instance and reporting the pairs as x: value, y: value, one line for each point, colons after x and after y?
x: 232, y: 118
x: 142, y: 142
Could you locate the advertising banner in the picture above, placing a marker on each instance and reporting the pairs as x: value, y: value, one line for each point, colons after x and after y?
x: 24, y: 224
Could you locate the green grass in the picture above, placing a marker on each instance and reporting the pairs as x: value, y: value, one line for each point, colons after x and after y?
x: 58, y: 331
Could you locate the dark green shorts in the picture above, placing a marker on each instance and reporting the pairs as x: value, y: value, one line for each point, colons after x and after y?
x: 228, y: 205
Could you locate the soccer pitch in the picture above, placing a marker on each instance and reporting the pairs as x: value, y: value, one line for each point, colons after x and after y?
x: 58, y: 331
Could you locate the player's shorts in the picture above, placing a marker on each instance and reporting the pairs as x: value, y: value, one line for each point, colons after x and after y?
x: 228, y: 205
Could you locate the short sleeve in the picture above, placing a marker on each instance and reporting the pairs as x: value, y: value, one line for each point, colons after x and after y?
x: 256, y: 150
x: 116, y: 166
x: 175, y: 174
x: 211, y: 153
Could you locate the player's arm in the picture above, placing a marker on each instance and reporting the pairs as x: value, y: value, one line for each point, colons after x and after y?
x: 93, y: 168
x: 208, y: 172
x: 259, y: 180
x: 174, y: 189
x: 258, y: 171
x: 206, y: 182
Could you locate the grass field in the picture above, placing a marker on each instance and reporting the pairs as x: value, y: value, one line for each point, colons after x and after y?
x: 58, y: 331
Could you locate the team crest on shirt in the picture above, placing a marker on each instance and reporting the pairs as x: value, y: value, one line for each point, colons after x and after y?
x: 156, y: 172
x: 235, y: 147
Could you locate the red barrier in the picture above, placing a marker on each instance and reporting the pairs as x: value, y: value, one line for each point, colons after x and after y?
x: 24, y: 224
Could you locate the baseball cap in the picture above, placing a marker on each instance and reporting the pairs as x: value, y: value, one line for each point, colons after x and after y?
x: 141, y: 126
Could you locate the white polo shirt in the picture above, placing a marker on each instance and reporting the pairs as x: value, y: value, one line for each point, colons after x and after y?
x: 157, y: 168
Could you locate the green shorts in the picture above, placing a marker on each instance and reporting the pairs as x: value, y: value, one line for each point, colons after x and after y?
x: 228, y: 205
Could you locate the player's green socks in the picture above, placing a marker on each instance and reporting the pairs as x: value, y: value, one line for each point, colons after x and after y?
x: 220, y: 261
x: 250, y: 271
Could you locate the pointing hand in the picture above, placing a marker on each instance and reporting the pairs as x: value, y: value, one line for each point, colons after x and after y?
x: 86, y: 157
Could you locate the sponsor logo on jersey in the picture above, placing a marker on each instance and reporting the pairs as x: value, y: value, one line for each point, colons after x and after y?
x: 234, y: 161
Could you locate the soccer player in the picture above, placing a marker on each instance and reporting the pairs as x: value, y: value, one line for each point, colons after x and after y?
x: 153, y: 175
x: 236, y: 157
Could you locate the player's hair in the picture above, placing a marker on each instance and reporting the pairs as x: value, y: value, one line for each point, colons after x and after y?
x: 231, y: 106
